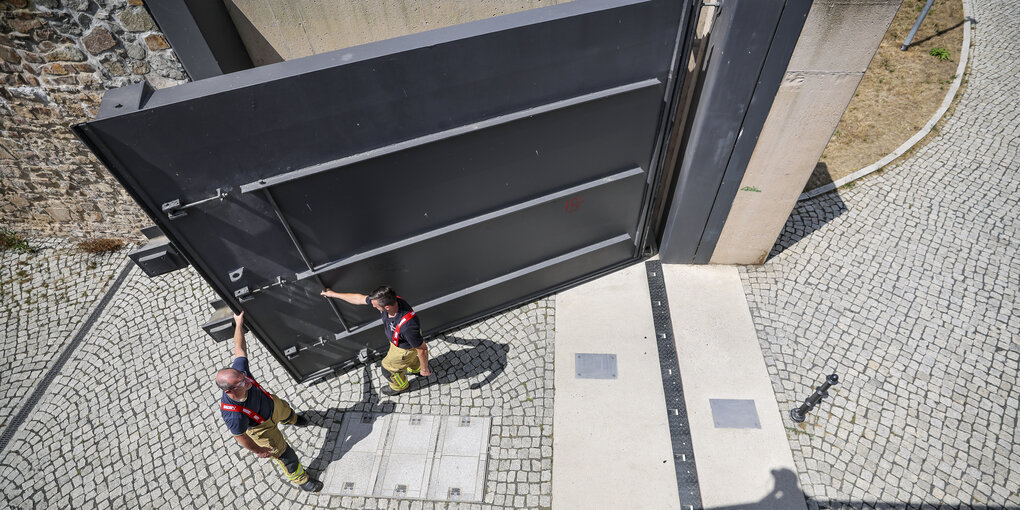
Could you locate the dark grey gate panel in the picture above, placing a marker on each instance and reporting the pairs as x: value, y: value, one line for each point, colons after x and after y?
x: 471, y: 168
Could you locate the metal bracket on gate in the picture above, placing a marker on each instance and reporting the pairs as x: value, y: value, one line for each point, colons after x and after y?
x: 245, y: 294
x: 293, y: 351
x: 174, y: 209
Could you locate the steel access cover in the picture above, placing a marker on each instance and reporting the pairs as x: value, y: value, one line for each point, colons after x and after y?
x: 734, y: 414
x: 363, y: 436
x: 595, y: 366
x: 410, y: 456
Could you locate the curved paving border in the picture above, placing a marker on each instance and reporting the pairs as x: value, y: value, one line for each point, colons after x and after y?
x: 96, y: 440
x: 45, y: 297
x: 914, y: 140
x: 40, y: 389
x: 905, y: 287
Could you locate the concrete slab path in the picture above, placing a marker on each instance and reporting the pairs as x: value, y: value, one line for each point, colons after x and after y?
x: 720, y: 358
x: 611, y: 442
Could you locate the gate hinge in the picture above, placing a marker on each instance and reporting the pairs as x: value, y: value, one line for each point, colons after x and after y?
x: 174, y: 209
x: 245, y: 294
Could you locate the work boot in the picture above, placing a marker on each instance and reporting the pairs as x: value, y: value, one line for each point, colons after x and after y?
x: 390, y: 392
x: 312, y: 485
x: 300, y: 421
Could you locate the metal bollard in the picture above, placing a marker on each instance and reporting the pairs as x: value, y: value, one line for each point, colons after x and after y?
x: 821, y: 392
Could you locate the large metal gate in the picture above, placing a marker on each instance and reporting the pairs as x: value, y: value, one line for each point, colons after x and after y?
x: 471, y: 168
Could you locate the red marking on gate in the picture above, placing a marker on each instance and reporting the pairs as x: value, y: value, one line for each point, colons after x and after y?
x: 574, y: 204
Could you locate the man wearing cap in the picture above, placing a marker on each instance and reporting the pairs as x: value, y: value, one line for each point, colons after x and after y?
x: 408, y: 352
x: 252, y: 414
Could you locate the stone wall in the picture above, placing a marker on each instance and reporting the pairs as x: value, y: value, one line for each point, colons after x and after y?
x: 57, y: 57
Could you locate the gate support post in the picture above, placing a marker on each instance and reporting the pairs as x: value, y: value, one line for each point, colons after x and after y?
x: 835, y: 47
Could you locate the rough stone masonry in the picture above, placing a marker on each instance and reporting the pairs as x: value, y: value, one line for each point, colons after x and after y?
x: 57, y: 57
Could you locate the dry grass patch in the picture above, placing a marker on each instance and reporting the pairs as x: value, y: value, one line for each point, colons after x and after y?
x: 900, y: 91
x: 101, y: 245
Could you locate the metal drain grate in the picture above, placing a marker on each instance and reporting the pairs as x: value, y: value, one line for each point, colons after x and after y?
x: 676, y: 414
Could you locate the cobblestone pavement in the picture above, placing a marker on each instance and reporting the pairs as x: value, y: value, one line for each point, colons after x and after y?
x: 132, y: 422
x: 906, y: 286
x: 44, y: 298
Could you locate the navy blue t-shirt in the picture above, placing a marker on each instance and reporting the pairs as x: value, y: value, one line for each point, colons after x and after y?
x: 256, y: 401
x: 410, y: 332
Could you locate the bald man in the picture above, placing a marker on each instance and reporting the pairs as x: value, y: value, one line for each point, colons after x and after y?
x: 252, y: 414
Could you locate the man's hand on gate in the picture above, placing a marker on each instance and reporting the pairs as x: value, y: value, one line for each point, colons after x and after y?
x: 240, y: 346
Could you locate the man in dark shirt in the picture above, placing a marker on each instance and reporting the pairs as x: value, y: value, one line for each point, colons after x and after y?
x: 408, y: 352
x: 252, y: 414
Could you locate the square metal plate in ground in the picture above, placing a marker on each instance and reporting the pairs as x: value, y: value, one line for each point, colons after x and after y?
x: 595, y: 366
x: 734, y: 413
x: 356, y: 460
x: 407, y: 456
x: 459, y: 471
x: 410, y: 456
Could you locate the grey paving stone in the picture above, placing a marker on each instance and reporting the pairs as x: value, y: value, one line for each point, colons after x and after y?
x: 905, y: 287
x: 132, y: 420
x: 45, y: 297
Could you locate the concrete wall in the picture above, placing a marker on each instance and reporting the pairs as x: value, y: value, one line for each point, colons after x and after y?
x: 276, y: 30
x: 836, y: 45
x: 56, y: 60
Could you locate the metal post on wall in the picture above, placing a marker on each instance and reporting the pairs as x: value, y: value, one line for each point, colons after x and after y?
x: 917, y: 24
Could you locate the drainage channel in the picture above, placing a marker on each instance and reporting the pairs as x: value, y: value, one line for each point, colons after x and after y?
x: 51, y: 374
x: 676, y: 408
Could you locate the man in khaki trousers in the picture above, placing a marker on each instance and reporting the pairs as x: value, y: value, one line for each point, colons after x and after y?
x: 408, y: 352
x: 252, y: 414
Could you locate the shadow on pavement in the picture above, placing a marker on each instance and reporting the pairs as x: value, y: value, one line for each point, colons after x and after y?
x: 332, y: 418
x: 786, y: 494
x: 453, y: 365
x: 807, y: 217
x: 482, y: 356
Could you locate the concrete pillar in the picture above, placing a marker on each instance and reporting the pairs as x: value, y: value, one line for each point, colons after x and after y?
x: 838, y: 41
x: 276, y: 30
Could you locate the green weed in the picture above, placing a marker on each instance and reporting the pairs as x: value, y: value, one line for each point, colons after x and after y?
x: 9, y: 240
x: 940, y: 53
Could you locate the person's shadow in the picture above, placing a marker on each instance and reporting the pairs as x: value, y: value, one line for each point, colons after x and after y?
x: 786, y: 494
x: 483, y: 356
x: 369, y: 409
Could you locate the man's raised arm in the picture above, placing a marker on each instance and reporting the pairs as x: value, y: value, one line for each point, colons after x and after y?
x: 240, y: 346
x: 350, y: 297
